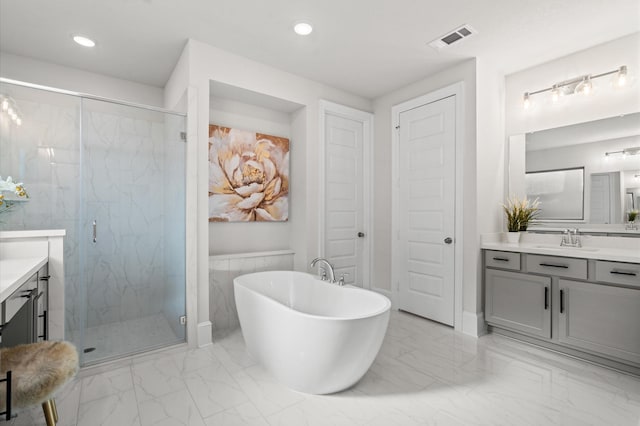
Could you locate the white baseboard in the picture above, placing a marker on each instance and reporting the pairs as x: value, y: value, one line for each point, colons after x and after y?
x: 473, y: 324
x: 204, y: 334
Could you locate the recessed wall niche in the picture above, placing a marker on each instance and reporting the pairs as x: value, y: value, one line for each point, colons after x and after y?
x: 239, y: 108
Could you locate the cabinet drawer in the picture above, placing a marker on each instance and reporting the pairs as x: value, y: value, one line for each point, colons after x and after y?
x: 618, y: 273
x: 502, y: 259
x: 18, y: 298
x: 558, y: 266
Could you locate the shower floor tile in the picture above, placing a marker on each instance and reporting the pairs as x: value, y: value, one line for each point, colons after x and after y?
x: 426, y: 374
x: 117, y: 339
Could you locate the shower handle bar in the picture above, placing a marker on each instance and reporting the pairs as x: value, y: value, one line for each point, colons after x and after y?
x: 95, y: 230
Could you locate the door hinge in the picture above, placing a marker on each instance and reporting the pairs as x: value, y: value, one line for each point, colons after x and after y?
x: 183, y: 320
x: 183, y: 136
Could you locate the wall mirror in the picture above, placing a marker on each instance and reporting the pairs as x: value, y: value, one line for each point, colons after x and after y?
x: 586, y: 173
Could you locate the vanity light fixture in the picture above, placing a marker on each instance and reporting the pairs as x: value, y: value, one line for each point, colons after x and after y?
x: 627, y: 151
x: 582, y: 85
x: 302, y: 28
x: 9, y: 107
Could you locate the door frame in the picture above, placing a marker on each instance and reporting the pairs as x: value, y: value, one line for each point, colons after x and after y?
x: 456, y: 90
x: 366, y: 118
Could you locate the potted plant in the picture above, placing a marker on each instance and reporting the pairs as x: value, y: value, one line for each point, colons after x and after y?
x: 632, y: 215
x: 519, y: 213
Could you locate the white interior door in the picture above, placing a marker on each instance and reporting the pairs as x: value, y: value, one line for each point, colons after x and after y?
x: 344, y: 236
x: 427, y: 210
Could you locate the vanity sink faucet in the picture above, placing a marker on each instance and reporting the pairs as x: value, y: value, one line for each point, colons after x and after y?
x: 570, y: 238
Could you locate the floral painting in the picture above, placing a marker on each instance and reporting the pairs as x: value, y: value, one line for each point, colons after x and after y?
x: 248, y: 176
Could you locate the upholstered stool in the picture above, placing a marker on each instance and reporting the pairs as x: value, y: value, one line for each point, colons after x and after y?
x: 38, y: 370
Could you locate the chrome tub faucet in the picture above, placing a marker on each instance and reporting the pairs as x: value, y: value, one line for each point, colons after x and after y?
x: 329, y: 269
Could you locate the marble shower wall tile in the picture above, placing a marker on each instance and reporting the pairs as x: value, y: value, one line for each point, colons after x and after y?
x: 223, y: 269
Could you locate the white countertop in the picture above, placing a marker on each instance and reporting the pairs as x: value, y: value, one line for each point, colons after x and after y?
x: 15, y: 272
x: 619, y: 249
x: 33, y: 233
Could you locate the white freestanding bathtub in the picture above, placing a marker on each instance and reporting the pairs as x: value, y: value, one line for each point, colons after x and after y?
x: 313, y: 336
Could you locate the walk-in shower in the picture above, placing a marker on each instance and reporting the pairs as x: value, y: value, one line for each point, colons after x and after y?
x: 112, y: 175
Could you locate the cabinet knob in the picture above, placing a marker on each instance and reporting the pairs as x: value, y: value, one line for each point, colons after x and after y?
x: 448, y: 240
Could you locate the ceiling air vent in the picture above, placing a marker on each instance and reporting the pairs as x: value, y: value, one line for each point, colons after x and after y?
x: 453, y: 37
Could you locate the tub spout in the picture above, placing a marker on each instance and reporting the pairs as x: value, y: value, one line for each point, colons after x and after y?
x: 332, y: 277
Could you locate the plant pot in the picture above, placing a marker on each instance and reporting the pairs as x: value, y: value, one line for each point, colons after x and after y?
x: 513, y: 237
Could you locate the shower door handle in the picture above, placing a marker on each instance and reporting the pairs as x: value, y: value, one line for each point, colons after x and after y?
x: 95, y: 231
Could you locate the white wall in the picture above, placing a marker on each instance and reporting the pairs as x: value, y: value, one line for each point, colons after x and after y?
x: 490, y: 177
x: 48, y: 74
x: 242, y: 237
x: 200, y: 65
x: 606, y: 101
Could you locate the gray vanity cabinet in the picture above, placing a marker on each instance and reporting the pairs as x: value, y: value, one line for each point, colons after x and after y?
x: 588, y: 308
x: 518, y: 301
x: 600, y: 318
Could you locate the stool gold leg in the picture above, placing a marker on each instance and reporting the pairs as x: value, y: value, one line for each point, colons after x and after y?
x: 55, y: 409
x: 49, y: 414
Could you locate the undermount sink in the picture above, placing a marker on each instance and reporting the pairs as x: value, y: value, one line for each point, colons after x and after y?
x: 549, y: 247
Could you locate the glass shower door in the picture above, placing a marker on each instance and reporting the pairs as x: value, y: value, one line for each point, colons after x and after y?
x: 133, y: 226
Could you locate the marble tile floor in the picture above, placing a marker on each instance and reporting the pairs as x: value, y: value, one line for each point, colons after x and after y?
x: 126, y: 337
x: 425, y: 374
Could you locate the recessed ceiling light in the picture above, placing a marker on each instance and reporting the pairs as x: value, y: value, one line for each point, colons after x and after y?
x: 84, y: 41
x: 303, y: 28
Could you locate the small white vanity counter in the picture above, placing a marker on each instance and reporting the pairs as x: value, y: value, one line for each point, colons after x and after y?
x: 23, y: 254
x: 14, y: 273
x: 618, y: 249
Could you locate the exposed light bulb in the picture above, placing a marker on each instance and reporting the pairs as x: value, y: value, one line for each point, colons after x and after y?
x: 622, y: 76
x: 5, y: 104
x: 586, y: 88
x: 526, y: 102
x: 555, y: 93
x: 10, y: 111
x: 19, y: 121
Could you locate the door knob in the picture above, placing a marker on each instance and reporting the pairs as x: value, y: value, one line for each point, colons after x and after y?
x: 361, y: 234
x: 448, y: 240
